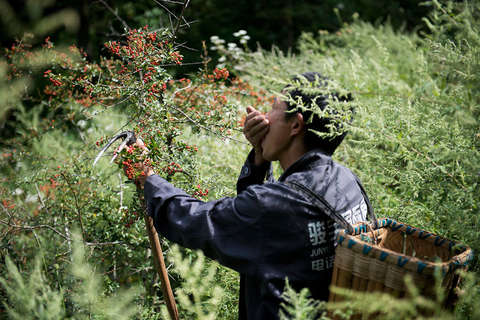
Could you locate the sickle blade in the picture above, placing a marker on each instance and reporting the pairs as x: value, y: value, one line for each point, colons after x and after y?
x: 129, y: 138
x: 106, y: 147
x: 120, y: 148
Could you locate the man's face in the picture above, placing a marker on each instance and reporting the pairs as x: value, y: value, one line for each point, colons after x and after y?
x: 276, y: 142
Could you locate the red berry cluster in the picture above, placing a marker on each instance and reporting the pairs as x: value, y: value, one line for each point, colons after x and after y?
x: 200, y: 192
x: 162, y: 109
x: 129, y: 168
x: 220, y: 73
x: 132, y: 155
x: 7, y: 204
x: 176, y: 57
x: 101, y: 141
x: 48, y: 44
x: 171, y: 168
x: 130, y: 217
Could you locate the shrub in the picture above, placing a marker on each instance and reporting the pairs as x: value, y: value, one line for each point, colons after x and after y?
x: 408, y: 90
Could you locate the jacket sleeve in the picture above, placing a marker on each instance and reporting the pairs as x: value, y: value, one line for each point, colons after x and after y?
x: 223, y: 229
x: 252, y: 174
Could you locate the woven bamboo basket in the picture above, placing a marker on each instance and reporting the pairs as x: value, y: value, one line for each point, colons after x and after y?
x: 392, y: 251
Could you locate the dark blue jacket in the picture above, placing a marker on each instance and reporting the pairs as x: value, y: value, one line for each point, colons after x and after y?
x: 268, y: 231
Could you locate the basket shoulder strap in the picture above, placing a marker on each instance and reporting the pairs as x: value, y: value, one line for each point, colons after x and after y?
x: 320, y: 203
x: 371, y: 214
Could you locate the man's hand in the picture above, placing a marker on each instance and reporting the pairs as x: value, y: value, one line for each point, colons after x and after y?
x: 140, y: 170
x: 254, y: 129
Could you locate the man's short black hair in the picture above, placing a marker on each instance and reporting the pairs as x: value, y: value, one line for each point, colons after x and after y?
x: 301, y: 89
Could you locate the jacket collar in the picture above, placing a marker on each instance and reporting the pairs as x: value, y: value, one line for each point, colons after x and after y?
x: 314, y: 157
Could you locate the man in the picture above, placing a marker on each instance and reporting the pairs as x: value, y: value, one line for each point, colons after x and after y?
x: 270, y: 231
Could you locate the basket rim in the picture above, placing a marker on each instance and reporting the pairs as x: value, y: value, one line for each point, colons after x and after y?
x: 462, y: 254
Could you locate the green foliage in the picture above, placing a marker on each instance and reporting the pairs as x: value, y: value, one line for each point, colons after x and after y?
x: 34, y: 298
x: 384, y: 306
x: 299, y: 306
x: 34, y: 295
x: 37, y: 18
x: 414, y: 142
x: 92, y: 299
x: 201, y: 295
x: 469, y: 297
x: 43, y: 201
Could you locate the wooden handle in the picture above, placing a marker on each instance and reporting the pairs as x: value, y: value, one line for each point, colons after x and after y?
x: 161, y: 268
x: 159, y: 262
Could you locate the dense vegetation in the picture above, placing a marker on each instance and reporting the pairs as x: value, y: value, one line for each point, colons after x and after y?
x: 89, y: 24
x: 70, y: 238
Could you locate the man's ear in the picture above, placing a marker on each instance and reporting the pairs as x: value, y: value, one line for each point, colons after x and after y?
x: 297, y: 125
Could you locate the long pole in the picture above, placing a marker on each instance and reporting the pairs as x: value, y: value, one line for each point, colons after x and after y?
x: 158, y: 260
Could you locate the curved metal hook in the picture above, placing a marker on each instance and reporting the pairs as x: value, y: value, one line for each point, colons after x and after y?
x: 129, y: 138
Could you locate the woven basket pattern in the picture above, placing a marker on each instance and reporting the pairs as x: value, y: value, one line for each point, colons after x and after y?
x: 378, y: 260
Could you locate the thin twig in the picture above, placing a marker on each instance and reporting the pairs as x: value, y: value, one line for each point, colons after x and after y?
x: 76, y: 205
x: 67, y: 239
x: 43, y: 158
x: 205, y: 128
x: 10, y: 218
x: 185, y: 4
x: 121, y: 192
x: 166, y: 9
x: 113, y: 31
x: 41, y: 200
x: 125, y: 25
x: 106, y: 107
x: 79, y: 132
x: 99, y: 244
x: 36, y: 227
x: 171, y: 1
x: 19, y: 206
x: 6, y: 211
x: 115, y: 269
x: 195, y: 122
x: 171, y: 22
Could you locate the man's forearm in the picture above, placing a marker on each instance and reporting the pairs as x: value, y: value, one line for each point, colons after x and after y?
x: 259, y: 160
